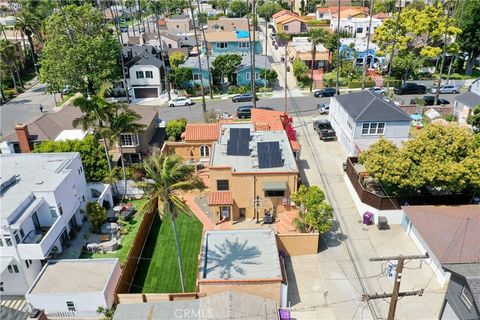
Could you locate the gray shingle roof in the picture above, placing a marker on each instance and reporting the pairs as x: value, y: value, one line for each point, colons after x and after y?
x: 260, y: 62
x: 369, y: 106
x: 468, y: 99
x: 145, y: 58
x: 192, y: 62
x: 471, y: 273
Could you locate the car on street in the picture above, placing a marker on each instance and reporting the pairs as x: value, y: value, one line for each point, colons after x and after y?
x: 324, y: 130
x: 244, y: 112
x: 123, y: 29
x: 323, y: 108
x: 430, y: 101
x: 377, y: 90
x: 325, y: 92
x: 448, y: 88
x: 410, y: 88
x: 180, y: 101
x: 244, y: 97
x: 266, y: 108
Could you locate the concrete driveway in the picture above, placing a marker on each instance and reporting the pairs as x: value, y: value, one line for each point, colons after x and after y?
x: 328, y: 285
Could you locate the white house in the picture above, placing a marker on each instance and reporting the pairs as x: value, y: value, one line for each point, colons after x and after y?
x: 144, y: 70
x: 465, y: 102
x: 42, y: 199
x: 75, y: 288
x: 358, y: 27
x: 359, y: 119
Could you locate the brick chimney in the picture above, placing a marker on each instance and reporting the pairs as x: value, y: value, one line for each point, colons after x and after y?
x: 23, y: 137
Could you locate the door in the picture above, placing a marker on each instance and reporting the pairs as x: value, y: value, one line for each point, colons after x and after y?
x: 242, y: 213
x: 141, y: 93
x: 36, y: 223
x: 225, y: 212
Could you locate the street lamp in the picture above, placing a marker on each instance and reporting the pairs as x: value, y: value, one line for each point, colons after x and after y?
x: 257, y: 205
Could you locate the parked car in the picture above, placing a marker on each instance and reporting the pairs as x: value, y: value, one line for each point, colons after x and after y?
x: 180, y: 101
x: 448, y: 88
x: 325, y: 92
x: 324, y: 130
x: 377, y: 90
x: 244, y: 112
x: 323, y: 108
x: 410, y: 88
x: 266, y: 108
x: 123, y: 29
x: 430, y: 101
x: 244, y: 97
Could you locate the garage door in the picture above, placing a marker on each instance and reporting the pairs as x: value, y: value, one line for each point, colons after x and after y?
x: 145, y: 93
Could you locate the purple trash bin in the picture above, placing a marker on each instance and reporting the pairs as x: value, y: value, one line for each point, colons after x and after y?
x: 368, y: 218
x: 284, y: 314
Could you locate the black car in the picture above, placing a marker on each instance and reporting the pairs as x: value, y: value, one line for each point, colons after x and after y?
x: 266, y: 108
x: 410, y: 88
x: 430, y: 101
x: 244, y: 97
x: 324, y: 130
x: 325, y: 92
x: 244, y: 112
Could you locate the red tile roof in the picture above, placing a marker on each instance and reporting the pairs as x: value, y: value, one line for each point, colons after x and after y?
x: 266, y: 120
x: 451, y: 232
x: 220, y: 198
x: 202, y: 132
x: 283, y: 12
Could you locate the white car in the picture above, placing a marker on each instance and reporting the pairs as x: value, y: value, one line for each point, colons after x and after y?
x: 448, y: 88
x: 180, y: 101
x: 377, y: 90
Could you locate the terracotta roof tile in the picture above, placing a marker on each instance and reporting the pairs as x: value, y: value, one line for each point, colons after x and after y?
x: 202, y: 132
x: 220, y: 198
x: 283, y: 12
x: 273, y: 119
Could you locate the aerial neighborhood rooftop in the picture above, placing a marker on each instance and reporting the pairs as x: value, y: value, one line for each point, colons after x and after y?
x: 240, y: 160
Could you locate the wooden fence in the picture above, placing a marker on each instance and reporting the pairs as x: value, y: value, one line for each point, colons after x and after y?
x: 130, y: 266
x: 128, y: 298
x: 393, y: 203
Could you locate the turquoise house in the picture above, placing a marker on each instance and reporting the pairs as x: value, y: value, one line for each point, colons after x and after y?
x: 244, y: 72
x: 222, y: 42
x: 198, y: 75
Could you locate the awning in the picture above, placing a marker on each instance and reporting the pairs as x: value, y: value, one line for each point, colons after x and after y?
x: 275, y: 185
x: 220, y: 198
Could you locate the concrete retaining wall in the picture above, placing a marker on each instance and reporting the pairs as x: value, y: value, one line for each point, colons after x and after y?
x: 297, y: 244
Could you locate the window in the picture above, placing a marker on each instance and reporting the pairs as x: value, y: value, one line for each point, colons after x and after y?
x: 360, y: 30
x: 1, y: 242
x: 22, y: 234
x: 139, y: 74
x: 71, y: 306
x: 248, y: 75
x: 196, y: 76
x: 83, y: 198
x: 349, y: 125
x: 204, y: 151
x: 149, y: 74
x: 135, y: 158
x: 53, y: 212
x: 28, y: 263
x: 274, y: 193
x: 17, y: 237
x: 222, y: 45
x: 12, y: 268
x: 170, y: 46
x: 222, y: 185
x: 178, y: 26
x: 60, y: 209
x: 1, y: 287
x: 8, y: 241
x: 467, y: 298
x: 373, y: 128
x: 129, y: 140
x: 257, y: 76
x: 244, y: 45
x: 285, y: 28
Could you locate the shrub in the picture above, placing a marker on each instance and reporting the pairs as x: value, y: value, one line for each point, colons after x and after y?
x: 175, y: 128
x: 9, y: 93
x: 358, y: 83
x: 96, y: 215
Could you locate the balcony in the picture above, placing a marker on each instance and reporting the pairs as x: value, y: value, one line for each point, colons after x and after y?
x: 38, y: 243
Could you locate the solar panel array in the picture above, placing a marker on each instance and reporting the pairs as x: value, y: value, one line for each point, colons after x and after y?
x: 269, y: 155
x: 238, y: 144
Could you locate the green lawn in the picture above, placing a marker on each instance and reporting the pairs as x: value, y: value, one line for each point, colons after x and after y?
x: 158, y: 272
x: 127, y: 240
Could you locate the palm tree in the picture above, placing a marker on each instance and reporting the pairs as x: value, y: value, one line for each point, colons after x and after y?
x: 210, y: 84
x: 7, y: 57
x: 364, y: 69
x: 169, y: 176
x: 121, y: 120
x: 315, y: 36
x: 130, y: 4
x: 283, y: 38
x: 95, y: 111
x: 29, y: 25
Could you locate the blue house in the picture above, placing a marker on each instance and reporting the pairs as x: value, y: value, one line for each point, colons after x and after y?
x: 221, y: 42
x: 244, y: 72
x: 373, y: 60
x: 199, y: 75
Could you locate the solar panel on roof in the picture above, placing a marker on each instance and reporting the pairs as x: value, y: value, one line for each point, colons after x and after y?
x: 269, y: 155
x: 238, y: 148
x: 240, y: 134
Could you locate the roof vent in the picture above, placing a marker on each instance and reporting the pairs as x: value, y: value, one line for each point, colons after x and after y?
x: 40, y: 182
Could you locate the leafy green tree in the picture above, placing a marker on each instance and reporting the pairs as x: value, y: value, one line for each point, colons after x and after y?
x: 9, y: 59
x: 267, y: 9
x: 180, y: 77
x: 270, y: 75
x: 384, y: 6
x: 92, y: 153
x: 222, y: 5
x: 226, y: 66
x: 300, y: 70
x: 96, y: 215
x: 176, y: 59
x: 175, y: 128
x: 238, y: 8
x: 469, y: 39
x: 404, y: 65
x: 202, y: 18
x: 169, y: 176
x: 474, y: 118
x: 314, y: 213
x: 88, y: 50
x: 440, y: 158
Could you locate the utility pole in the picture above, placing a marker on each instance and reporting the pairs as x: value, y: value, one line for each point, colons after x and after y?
x: 396, y: 285
x: 286, y: 82
x: 337, y: 82
x: 445, y: 38
x: 364, y: 69
x: 254, y: 82
x: 393, y: 47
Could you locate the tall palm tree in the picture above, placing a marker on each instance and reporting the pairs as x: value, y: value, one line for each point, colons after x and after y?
x: 315, y: 36
x: 95, y: 117
x: 130, y: 4
x: 207, y: 55
x: 168, y: 176
x: 283, y: 38
x: 30, y: 25
x: 121, y: 120
x: 364, y: 69
x: 160, y: 48
x: 7, y: 57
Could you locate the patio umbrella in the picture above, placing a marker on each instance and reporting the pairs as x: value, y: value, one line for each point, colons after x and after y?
x: 110, y: 227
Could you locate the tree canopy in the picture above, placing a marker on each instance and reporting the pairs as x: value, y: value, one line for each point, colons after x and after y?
x: 474, y: 118
x: 180, y: 76
x: 238, y: 8
x: 267, y: 9
x: 469, y: 39
x: 176, y: 59
x: 80, y: 50
x: 225, y: 66
x: 315, y: 214
x: 92, y: 153
x: 438, y: 159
